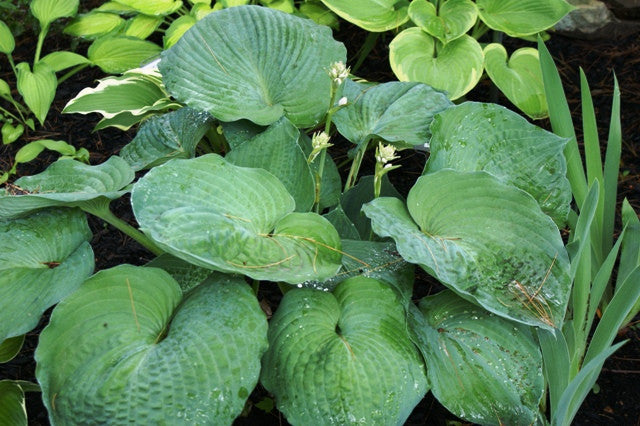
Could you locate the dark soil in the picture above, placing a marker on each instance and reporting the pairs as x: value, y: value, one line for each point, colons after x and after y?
x: 618, y: 400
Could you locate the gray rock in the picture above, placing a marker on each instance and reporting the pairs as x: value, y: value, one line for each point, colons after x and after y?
x: 592, y: 20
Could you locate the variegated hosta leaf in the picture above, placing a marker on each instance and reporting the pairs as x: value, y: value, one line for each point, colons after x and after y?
x: 454, y: 18
x: 485, y: 239
x: 394, y: 111
x: 130, y: 347
x: 256, y: 63
x: 483, y: 368
x: 455, y: 67
x: 234, y: 219
x: 47, y: 11
x: 43, y: 258
x: 38, y: 88
x: 477, y: 136
x: 277, y: 151
x: 518, y: 77
x: 172, y: 135
x: 67, y: 183
x: 343, y: 358
x: 522, y: 17
x: 117, y: 54
x: 375, y: 16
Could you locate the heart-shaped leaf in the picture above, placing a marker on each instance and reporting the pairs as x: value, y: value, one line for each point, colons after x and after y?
x: 343, y: 358
x: 394, y: 111
x: 43, y: 258
x: 129, y: 344
x: 485, y: 239
x: 522, y: 17
x: 47, y: 11
x: 454, y: 18
x: 11, y: 133
x: 455, y: 67
x: 277, y: 151
x: 234, y: 219
x: 483, y: 368
x: 160, y: 138
x: 12, y: 408
x: 67, y: 183
x: 93, y: 25
x: 243, y: 62
x: 38, y: 88
x: 117, y: 54
x: 377, y: 16
x: 518, y: 77
x: 476, y: 136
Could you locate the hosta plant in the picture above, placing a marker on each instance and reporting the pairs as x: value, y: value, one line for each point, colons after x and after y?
x: 183, y: 339
x: 438, y: 43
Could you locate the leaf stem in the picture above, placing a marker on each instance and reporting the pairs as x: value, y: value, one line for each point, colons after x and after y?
x: 41, y: 36
x: 355, y: 166
x: 71, y: 72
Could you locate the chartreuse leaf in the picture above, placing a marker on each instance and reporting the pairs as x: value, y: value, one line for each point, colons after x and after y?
x: 134, y: 93
x: 162, y: 137
x: 47, y: 11
x: 7, y: 42
x: 12, y: 408
x: 117, y: 54
x: 144, y: 352
x: 320, y: 14
x: 177, y: 29
x: 43, y: 258
x: 522, y: 17
x: 62, y: 60
x: 93, y: 25
x: 234, y: 219
x: 277, y: 151
x: 394, y: 111
x: 518, y: 77
x: 142, y: 26
x: 243, y: 62
x: 454, y: 18
x: 37, y: 87
x: 455, y: 67
x: 483, y: 368
x: 485, y: 239
x: 10, y: 347
x: 67, y: 183
x: 378, y: 16
x: 478, y: 136
x: 157, y: 7
x: 343, y: 358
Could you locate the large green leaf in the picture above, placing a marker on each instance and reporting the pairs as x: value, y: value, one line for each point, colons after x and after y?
x: 12, y: 409
x: 186, y: 274
x: 455, y: 67
x: 394, y: 111
x: 277, y: 151
x: 129, y: 347
x: 256, y: 63
x: 38, y: 88
x: 483, y: 368
x: 172, y: 135
x: 518, y: 77
x: 43, y: 258
x: 522, y: 17
x: 485, y: 239
x: 376, y: 16
x: 67, y: 183
x: 234, y: 219
x: 47, y: 11
x: 477, y: 136
x: 117, y: 54
x: 343, y: 358
x: 454, y: 18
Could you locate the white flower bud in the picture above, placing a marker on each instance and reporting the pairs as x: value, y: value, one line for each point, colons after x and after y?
x: 338, y: 73
x: 385, y: 153
x: 343, y: 101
